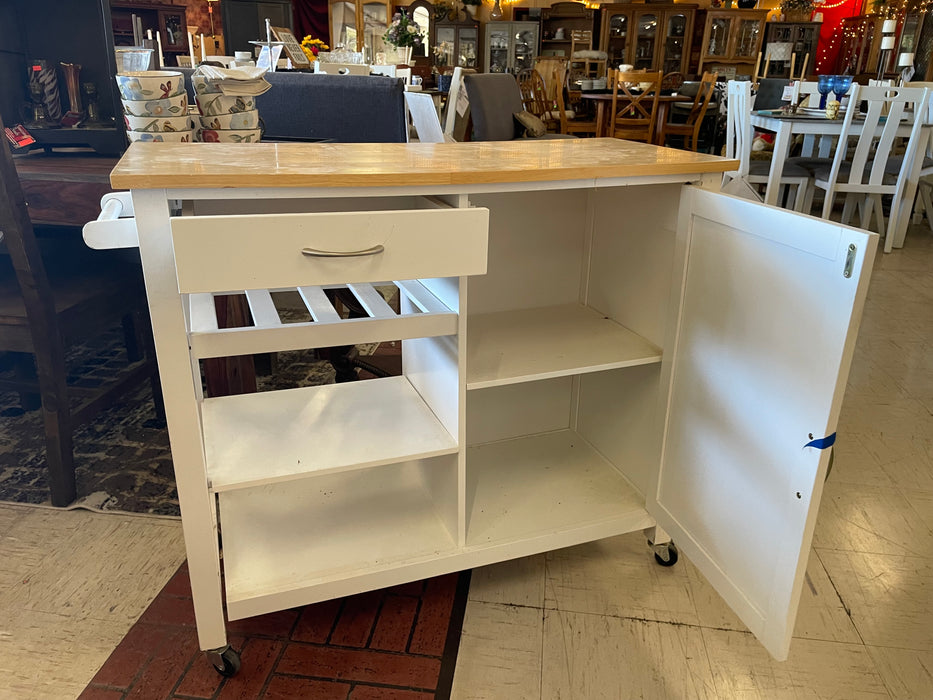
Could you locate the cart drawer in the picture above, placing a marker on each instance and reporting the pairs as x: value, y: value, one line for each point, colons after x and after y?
x: 220, y: 253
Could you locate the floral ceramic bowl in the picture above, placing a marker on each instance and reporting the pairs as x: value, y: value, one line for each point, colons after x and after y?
x: 236, y: 120
x: 152, y: 124
x: 161, y: 136
x: 150, y: 84
x: 214, y: 104
x: 205, y: 86
x: 171, y: 107
x: 229, y: 135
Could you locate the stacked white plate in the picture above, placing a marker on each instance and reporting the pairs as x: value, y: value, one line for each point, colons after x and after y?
x: 155, y: 106
x: 225, y: 118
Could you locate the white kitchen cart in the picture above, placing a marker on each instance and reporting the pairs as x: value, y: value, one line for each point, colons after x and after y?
x: 637, y: 352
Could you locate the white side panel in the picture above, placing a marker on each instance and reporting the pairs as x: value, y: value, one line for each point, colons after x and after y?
x: 613, y: 416
x: 512, y: 410
x: 630, y: 265
x: 535, y: 250
x: 757, y: 361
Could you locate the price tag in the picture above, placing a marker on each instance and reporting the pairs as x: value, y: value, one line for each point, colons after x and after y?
x: 788, y: 93
x: 463, y: 102
x: 18, y: 136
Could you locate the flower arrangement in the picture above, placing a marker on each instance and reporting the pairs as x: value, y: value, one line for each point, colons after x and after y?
x: 312, y: 47
x: 797, y: 7
x: 403, y: 31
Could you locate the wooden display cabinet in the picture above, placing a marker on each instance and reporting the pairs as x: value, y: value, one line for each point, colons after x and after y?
x: 460, y: 41
x: 732, y: 41
x: 803, y: 38
x: 165, y: 19
x: 568, y: 16
x: 651, y: 37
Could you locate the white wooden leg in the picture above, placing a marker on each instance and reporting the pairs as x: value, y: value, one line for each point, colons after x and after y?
x: 800, y: 201
x: 808, y: 202
x: 879, y: 214
x: 657, y: 535
x: 925, y: 190
x: 847, y: 209
x: 199, y: 515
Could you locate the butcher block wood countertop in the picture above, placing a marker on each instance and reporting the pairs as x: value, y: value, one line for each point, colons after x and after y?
x: 222, y: 165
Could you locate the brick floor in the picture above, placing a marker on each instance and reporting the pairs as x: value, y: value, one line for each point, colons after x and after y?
x: 399, y: 643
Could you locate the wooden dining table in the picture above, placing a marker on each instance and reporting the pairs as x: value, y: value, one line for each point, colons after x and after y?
x: 603, y: 98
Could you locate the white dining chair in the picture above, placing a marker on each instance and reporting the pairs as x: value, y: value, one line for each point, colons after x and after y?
x: 739, y: 134
x: 424, y: 117
x: 923, y: 202
x: 862, y: 176
x: 455, y: 119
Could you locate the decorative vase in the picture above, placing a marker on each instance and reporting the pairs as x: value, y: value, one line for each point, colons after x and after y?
x: 747, y: 4
x: 471, y: 10
x: 398, y: 55
x: 72, y: 73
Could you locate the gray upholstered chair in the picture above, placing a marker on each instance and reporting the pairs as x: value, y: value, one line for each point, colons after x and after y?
x: 494, y: 100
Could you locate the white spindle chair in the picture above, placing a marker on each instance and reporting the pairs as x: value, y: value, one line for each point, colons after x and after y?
x: 863, y: 177
x: 739, y: 134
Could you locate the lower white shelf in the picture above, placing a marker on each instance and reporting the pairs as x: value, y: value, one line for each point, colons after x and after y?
x: 284, y: 540
x: 548, y: 485
x: 261, y: 438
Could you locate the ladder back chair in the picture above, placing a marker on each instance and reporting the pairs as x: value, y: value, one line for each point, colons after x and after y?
x: 634, y: 105
x: 690, y: 130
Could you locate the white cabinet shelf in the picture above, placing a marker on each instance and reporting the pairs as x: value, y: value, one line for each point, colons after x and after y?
x: 273, y: 436
x: 550, y: 486
x: 509, y: 347
x: 281, y: 541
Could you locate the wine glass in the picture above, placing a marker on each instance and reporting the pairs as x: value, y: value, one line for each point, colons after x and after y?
x: 824, y: 83
x: 841, y: 85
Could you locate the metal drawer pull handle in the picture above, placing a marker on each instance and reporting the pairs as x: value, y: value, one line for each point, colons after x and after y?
x: 315, y: 253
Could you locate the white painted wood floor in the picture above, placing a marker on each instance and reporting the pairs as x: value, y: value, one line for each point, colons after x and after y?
x: 600, y: 620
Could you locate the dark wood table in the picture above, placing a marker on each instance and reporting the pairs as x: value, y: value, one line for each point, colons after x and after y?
x: 604, y: 97
x: 63, y: 188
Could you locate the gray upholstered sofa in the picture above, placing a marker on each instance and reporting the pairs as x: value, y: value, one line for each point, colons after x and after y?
x: 341, y: 108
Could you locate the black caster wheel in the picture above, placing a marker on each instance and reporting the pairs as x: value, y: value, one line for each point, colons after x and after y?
x: 666, y: 555
x: 230, y: 658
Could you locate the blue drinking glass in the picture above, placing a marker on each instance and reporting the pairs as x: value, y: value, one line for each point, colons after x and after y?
x: 841, y: 85
x: 824, y: 83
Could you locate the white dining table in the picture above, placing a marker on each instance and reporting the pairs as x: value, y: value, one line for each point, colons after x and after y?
x: 787, y: 126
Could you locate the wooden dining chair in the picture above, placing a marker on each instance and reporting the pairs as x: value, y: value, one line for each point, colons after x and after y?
x: 690, y: 130
x: 860, y: 165
x: 534, y: 98
x: 48, y: 306
x: 634, y: 105
x: 574, y: 118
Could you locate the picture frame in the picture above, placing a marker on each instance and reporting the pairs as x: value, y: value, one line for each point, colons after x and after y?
x: 291, y: 46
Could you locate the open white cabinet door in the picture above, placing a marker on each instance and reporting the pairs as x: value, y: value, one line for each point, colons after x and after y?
x: 767, y: 312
